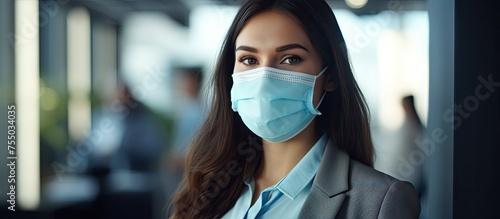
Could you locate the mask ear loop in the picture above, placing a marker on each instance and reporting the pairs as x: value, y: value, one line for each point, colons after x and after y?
x: 319, y: 104
x: 321, y: 73
x: 324, y: 93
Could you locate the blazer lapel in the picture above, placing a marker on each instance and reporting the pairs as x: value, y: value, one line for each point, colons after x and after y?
x: 330, y: 184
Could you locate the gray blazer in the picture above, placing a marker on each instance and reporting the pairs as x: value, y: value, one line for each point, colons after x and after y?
x: 345, y: 188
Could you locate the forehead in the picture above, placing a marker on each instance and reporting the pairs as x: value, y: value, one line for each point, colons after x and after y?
x: 272, y: 29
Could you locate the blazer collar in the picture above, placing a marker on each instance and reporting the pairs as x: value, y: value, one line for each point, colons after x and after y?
x: 330, y: 184
x: 333, y: 172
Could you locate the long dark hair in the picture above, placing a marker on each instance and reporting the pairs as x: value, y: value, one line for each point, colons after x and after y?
x: 225, y: 152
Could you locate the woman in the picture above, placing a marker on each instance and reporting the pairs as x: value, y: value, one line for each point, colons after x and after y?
x: 288, y: 133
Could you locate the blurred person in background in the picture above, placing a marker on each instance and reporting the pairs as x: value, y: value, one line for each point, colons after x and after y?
x: 403, y: 158
x: 143, y: 138
x: 189, y: 116
x: 412, y: 130
x: 121, y: 169
x: 136, y: 141
x: 190, y: 112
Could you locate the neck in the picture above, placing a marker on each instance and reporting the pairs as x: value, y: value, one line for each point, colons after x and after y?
x: 279, y: 158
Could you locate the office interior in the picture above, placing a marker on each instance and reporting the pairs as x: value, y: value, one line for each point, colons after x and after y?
x: 99, y: 93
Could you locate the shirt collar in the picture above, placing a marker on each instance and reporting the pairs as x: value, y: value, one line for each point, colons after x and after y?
x: 300, y: 176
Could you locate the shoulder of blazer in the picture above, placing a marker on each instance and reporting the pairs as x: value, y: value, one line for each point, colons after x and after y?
x: 373, y: 194
x: 346, y: 187
x: 339, y: 173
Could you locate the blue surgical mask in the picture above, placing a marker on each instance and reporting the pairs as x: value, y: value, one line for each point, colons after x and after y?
x: 275, y: 104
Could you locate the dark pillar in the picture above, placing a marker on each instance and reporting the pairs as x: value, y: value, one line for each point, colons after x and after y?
x: 476, y: 173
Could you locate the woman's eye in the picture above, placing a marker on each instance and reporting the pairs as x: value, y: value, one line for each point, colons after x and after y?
x: 248, y: 60
x: 291, y: 60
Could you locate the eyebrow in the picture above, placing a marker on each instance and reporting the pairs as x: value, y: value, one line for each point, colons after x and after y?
x: 290, y: 46
x: 247, y: 48
x: 279, y: 49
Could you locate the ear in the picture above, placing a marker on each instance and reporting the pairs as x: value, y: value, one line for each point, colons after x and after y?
x: 330, y: 82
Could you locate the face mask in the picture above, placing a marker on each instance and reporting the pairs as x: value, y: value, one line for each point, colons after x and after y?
x: 275, y: 104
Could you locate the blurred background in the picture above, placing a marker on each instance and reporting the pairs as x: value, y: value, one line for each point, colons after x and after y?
x: 109, y: 93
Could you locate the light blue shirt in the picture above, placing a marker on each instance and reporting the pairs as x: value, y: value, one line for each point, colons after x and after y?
x: 285, y: 199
